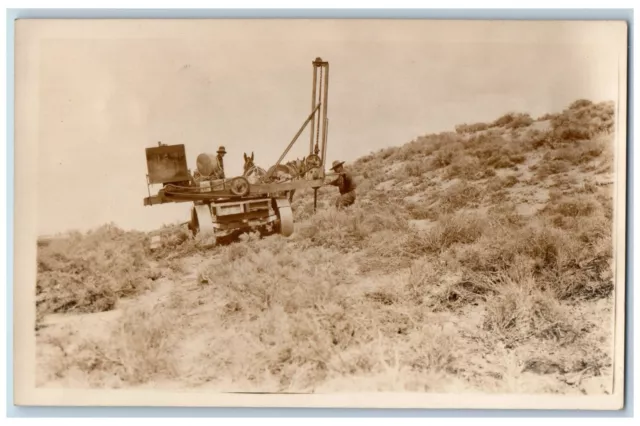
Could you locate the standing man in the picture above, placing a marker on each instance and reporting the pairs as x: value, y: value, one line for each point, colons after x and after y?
x: 221, y: 154
x: 345, y: 184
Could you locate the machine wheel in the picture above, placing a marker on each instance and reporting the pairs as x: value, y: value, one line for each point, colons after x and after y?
x: 201, y: 224
x: 286, y: 220
x: 240, y: 186
x: 313, y: 173
x: 313, y: 161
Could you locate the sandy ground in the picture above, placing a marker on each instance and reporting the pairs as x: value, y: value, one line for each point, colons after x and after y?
x: 531, y: 367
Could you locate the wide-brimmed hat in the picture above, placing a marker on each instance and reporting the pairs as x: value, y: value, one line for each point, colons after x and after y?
x: 336, y: 164
x: 221, y: 150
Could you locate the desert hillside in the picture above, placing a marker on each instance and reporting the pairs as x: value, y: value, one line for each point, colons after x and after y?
x: 476, y: 260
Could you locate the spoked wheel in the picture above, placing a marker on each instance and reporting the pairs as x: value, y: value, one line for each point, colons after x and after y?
x: 240, y: 186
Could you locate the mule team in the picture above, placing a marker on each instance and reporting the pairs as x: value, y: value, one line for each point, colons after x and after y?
x: 296, y: 169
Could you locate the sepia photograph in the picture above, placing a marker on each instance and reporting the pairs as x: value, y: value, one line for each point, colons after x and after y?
x: 314, y: 212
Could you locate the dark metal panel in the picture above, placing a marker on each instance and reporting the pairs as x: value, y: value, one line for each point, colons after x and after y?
x: 167, y: 163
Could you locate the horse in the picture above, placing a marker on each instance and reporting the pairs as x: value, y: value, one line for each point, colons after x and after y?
x: 297, y: 170
x: 297, y: 167
x: 287, y: 171
x: 291, y: 170
x: 252, y: 172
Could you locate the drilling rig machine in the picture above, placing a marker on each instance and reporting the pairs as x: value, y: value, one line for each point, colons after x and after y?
x: 221, y: 206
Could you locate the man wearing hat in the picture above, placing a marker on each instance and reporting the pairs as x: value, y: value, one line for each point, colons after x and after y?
x: 221, y: 153
x: 346, y: 185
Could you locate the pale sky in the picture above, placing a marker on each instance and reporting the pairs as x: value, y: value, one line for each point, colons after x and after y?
x: 107, y: 93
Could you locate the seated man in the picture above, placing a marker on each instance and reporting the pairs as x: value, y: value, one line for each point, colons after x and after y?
x: 346, y: 185
x: 220, y: 169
